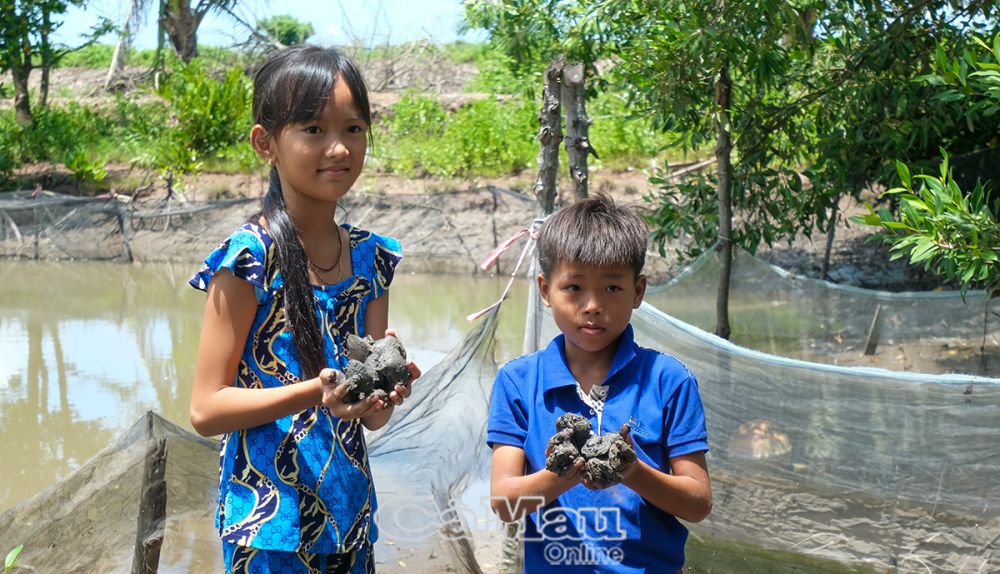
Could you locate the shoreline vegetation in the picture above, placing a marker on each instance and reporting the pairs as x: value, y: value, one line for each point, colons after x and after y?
x: 451, y: 122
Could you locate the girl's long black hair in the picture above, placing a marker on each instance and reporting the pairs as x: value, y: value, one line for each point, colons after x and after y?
x: 293, y: 87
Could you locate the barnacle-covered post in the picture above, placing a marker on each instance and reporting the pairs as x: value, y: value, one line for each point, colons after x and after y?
x: 577, y: 139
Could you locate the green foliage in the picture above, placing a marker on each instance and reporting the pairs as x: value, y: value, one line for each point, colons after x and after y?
x: 533, y: 32
x: 826, y: 87
x: 621, y: 137
x: 686, y: 209
x: 463, y: 52
x: 210, y: 114
x: 956, y: 235
x: 286, y: 29
x: 90, y: 56
x: 486, y: 137
x: 972, y: 79
x: 11, y: 561
x: 937, y: 225
x: 85, y: 171
x: 54, y: 131
x: 416, y: 115
x: 496, y: 75
x: 871, y: 108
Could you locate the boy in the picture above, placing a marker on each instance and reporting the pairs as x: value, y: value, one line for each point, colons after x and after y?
x: 591, y: 255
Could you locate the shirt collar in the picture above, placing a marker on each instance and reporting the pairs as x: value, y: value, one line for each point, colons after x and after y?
x: 556, y: 369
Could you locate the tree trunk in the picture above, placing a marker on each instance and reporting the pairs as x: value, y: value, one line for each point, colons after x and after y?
x: 577, y: 128
x: 181, y: 27
x: 45, y: 50
x: 723, y: 160
x: 831, y: 233
x: 117, y: 66
x: 22, y: 104
x: 549, y: 136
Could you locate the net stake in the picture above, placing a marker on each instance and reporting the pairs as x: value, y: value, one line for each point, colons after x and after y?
x: 873, y: 331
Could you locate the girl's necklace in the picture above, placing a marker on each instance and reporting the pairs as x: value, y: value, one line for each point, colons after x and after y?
x: 324, y: 270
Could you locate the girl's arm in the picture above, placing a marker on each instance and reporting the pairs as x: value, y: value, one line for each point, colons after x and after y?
x: 216, y: 405
x: 514, y: 494
x: 686, y: 492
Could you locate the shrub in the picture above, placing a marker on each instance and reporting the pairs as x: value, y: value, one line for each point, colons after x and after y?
x: 486, y: 137
x: 209, y: 114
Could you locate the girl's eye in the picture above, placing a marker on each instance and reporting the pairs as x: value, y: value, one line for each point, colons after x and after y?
x: 312, y: 129
x: 355, y: 129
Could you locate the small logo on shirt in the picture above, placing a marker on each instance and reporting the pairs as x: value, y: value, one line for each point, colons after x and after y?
x: 636, y: 428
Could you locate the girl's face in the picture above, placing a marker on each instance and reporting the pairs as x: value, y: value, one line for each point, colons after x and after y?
x: 318, y: 161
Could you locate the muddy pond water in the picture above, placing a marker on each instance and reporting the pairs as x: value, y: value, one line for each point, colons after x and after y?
x: 87, y: 347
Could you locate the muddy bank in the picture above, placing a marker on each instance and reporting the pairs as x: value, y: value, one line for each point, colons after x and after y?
x: 441, y: 233
x: 442, y: 230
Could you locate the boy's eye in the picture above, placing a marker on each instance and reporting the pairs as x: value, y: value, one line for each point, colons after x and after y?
x: 572, y: 288
x: 614, y: 288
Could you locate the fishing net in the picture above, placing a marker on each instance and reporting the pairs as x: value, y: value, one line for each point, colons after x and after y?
x: 146, y: 502
x: 857, y: 464
x: 48, y: 225
x: 893, y: 469
x: 782, y: 313
x: 143, y: 504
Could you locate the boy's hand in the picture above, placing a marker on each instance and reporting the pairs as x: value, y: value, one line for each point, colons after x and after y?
x: 624, y: 470
x: 335, y: 388
x: 574, y: 473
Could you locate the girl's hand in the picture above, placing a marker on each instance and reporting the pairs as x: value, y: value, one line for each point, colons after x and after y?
x: 402, y: 390
x: 335, y: 388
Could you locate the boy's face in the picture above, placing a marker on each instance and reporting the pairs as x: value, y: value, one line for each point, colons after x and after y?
x: 591, y: 305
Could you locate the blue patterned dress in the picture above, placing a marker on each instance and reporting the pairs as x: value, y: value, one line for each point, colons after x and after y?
x: 301, y: 483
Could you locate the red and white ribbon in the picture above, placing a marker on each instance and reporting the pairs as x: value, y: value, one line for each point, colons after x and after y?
x: 493, y: 256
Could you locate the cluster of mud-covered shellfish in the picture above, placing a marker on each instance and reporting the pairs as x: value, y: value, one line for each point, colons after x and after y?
x: 606, y: 457
x: 374, y: 367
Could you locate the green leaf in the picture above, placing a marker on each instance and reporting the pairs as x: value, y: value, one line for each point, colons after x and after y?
x: 12, y: 557
x: 904, y: 173
x: 967, y: 275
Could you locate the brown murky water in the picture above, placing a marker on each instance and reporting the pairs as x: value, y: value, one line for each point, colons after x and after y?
x: 87, y: 347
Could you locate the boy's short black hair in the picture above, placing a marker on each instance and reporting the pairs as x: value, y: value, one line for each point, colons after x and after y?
x: 593, y: 231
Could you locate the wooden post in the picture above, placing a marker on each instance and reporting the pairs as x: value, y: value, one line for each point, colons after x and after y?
x: 549, y: 135
x: 871, y: 342
x: 577, y: 139
x: 124, y: 217
x: 152, y: 504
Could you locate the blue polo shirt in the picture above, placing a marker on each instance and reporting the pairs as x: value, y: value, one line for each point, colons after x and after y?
x: 614, y: 529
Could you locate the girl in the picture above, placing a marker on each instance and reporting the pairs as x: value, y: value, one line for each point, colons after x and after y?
x: 284, y: 291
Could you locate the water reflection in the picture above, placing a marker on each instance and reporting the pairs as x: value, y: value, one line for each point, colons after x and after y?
x: 87, y: 347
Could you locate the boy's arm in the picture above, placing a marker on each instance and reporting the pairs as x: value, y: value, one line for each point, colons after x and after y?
x: 685, y: 493
x: 514, y: 494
